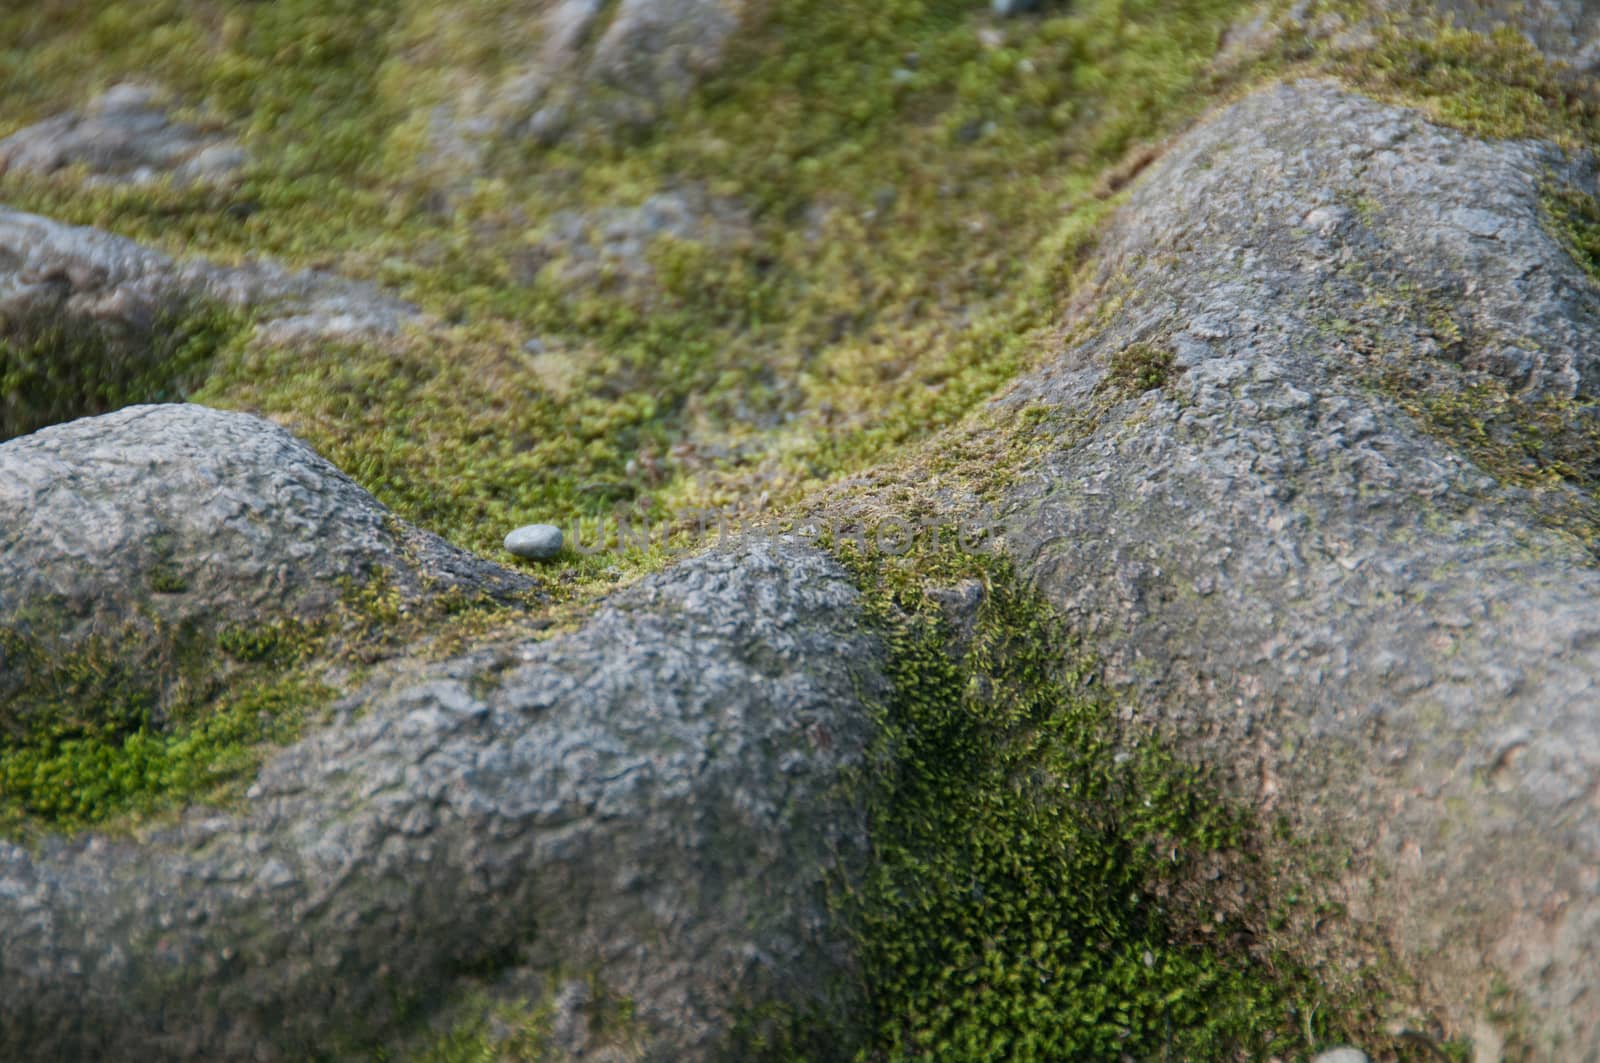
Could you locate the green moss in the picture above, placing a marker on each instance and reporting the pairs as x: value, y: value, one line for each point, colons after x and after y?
x: 1138, y: 368
x: 1048, y: 884
x: 76, y: 776
x: 55, y: 367
x: 930, y: 271
x: 489, y: 1033
x: 1487, y: 84
x: 132, y: 723
x: 1576, y: 220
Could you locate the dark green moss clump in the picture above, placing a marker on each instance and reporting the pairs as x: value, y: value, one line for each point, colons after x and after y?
x: 1576, y: 218
x: 1047, y: 885
x: 1139, y: 368
x: 57, y: 367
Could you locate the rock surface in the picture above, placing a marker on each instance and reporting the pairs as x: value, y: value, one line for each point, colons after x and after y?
x: 183, y: 516
x: 1287, y: 564
x: 537, y: 542
x: 51, y: 269
x: 124, y: 136
x: 656, y: 798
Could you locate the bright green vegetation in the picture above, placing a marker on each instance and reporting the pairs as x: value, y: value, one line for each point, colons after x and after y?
x: 1050, y: 886
x: 132, y: 724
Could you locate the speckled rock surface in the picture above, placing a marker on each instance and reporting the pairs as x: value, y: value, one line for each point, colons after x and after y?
x: 69, y: 273
x: 655, y: 798
x: 1288, y: 565
x: 126, y: 135
x: 182, y: 515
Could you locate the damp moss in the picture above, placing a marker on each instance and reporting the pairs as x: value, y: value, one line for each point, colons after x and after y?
x: 1139, y: 368
x: 921, y: 185
x: 129, y: 724
x: 1049, y: 882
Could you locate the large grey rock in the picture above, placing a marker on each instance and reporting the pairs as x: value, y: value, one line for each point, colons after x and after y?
x: 657, y: 799
x: 183, y: 518
x: 124, y: 136
x: 1308, y: 584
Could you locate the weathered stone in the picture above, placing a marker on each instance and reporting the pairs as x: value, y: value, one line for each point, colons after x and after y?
x: 49, y: 268
x: 1289, y: 566
x: 658, y: 799
x: 123, y: 136
x: 193, y: 518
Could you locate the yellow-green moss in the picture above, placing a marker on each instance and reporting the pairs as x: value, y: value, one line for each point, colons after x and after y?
x: 132, y: 723
x: 951, y: 195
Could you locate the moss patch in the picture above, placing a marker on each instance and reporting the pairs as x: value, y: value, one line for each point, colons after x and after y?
x: 1139, y: 368
x: 921, y: 195
x: 57, y: 367
x: 1048, y: 884
x: 1576, y: 220
x: 134, y: 723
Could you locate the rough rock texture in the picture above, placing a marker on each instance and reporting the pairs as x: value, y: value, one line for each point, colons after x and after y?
x: 192, y: 516
x: 123, y: 136
x: 48, y: 269
x: 655, y: 798
x: 593, y: 65
x: 1310, y: 585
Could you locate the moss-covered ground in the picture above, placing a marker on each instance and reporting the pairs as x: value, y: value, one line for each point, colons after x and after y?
x: 923, y: 186
x: 129, y: 725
